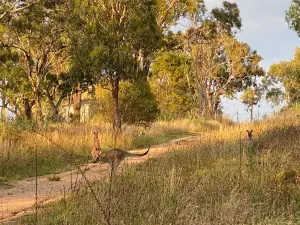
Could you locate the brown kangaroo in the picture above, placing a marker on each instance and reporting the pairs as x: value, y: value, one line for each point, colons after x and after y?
x: 251, y: 150
x: 114, y: 156
x: 96, y: 150
x: 250, y: 137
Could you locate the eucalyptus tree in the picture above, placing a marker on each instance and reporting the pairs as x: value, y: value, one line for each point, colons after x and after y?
x: 116, y: 40
x: 172, y: 86
x: 14, y: 88
x: 251, y: 98
x: 222, y: 64
x: 36, y: 35
x: 293, y: 16
x: 219, y: 64
x: 288, y: 73
x: 224, y: 67
x: 113, y: 39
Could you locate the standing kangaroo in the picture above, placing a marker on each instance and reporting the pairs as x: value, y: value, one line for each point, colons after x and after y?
x: 251, y: 151
x: 96, y: 150
x: 114, y: 156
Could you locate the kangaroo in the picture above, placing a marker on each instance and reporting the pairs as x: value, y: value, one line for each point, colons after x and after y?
x: 250, y: 137
x: 114, y: 156
x: 96, y: 150
x: 251, y: 151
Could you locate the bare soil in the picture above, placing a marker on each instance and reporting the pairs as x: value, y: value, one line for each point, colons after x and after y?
x: 19, y: 197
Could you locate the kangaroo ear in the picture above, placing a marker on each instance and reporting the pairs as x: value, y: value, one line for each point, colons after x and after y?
x: 247, y: 131
x: 251, y: 131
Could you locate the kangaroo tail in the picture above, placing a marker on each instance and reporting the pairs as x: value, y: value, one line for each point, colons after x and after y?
x: 137, y: 154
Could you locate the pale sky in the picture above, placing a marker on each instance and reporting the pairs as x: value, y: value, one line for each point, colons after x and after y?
x: 264, y: 29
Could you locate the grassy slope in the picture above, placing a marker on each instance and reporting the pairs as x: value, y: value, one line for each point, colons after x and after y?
x: 201, y: 183
x: 17, y: 148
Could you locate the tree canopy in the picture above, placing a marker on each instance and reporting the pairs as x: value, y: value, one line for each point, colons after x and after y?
x: 288, y: 73
x: 212, y: 61
x: 53, y: 51
x: 293, y: 16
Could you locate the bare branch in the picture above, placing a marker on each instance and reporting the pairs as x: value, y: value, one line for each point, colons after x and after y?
x: 13, y: 9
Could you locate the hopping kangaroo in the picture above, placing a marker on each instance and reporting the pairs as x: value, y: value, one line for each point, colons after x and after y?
x: 114, y: 156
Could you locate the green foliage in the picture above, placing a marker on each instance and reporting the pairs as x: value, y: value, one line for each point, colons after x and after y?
x: 170, y: 83
x: 293, y: 16
x: 250, y: 98
x: 137, y: 104
x: 169, y: 12
x: 209, y: 63
x: 273, y: 90
x: 288, y: 73
x: 51, y: 49
x: 228, y: 16
x: 38, y: 40
x: 113, y: 41
x: 14, y: 83
x: 111, y: 38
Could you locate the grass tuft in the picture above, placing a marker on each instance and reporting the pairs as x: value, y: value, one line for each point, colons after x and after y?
x: 54, y: 178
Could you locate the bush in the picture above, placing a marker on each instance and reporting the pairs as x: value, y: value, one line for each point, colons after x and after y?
x: 136, y: 101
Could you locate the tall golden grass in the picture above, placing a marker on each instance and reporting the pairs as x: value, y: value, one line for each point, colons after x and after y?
x: 208, y: 181
x: 18, y: 146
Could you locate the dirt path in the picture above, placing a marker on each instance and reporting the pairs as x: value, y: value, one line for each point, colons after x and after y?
x: 20, y: 197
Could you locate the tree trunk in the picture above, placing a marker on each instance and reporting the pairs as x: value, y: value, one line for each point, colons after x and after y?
x: 115, y: 95
x: 3, y: 108
x: 288, y: 97
x: 54, y: 113
x: 216, y: 106
x: 54, y: 107
x: 77, y: 102
x: 251, y: 113
x: 202, y: 102
x: 28, y: 108
x: 3, y: 114
x: 202, y: 97
x: 209, y: 103
x: 39, y: 111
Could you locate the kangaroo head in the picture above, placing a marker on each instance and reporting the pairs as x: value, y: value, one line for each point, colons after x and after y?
x: 96, y: 131
x: 250, y: 133
x: 96, y: 140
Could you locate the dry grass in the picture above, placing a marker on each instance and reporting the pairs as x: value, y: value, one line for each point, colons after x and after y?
x: 18, y: 146
x: 205, y: 182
